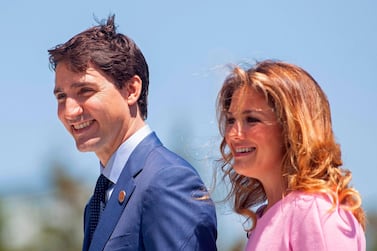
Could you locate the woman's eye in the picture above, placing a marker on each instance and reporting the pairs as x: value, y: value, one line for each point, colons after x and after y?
x: 230, y: 121
x: 252, y: 120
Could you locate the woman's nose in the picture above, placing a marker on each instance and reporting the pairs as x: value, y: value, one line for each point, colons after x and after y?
x: 236, y: 130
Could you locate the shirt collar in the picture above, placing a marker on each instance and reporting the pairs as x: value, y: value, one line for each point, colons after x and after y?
x: 120, y: 157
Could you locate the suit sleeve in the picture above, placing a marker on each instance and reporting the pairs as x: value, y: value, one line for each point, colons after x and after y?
x: 178, y: 213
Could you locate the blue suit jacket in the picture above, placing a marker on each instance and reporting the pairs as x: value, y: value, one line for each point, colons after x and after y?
x: 166, y: 206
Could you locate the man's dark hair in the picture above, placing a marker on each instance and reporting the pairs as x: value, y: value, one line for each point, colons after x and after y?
x: 114, y: 53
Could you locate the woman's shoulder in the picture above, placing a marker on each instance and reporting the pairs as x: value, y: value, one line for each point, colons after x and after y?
x: 303, y: 200
x: 315, y: 216
x: 316, y: 208
x: 301, y: 206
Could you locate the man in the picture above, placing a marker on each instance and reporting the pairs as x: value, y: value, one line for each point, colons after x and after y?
x: 155, y: 200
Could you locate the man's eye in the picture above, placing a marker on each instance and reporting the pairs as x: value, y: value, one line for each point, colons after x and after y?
x: 85, y: 91
x: 60, y: 96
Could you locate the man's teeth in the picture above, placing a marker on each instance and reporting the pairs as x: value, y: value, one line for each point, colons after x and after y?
x: 244, y: 149
x: 82, y: 125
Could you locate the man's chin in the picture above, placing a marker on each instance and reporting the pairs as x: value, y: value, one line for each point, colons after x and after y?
x: 83, y: 150
x: 88, y: 146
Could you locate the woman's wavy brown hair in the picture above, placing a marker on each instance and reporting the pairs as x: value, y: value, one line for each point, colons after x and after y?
x: 312, y: 161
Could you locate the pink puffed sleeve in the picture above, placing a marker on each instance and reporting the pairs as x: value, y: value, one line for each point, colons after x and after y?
x: 314, y: 226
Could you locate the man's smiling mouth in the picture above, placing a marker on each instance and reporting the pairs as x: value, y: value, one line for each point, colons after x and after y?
x: 82, y: 125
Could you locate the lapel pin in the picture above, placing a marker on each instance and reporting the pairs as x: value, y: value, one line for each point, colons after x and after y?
x: 121, y: 196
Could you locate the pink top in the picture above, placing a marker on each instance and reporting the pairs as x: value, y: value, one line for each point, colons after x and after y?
x: 303, y: 222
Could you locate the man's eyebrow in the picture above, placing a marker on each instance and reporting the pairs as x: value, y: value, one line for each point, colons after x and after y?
x: 74, y: 85
x: 57, y: 90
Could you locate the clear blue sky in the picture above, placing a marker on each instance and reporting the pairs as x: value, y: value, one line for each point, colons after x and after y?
x: 187, y: 45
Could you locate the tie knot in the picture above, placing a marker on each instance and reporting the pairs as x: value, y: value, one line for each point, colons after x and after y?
x: 103, y: 180
x: 101, y: 186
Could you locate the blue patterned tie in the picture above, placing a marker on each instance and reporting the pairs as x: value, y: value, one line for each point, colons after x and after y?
x: 95, y: 204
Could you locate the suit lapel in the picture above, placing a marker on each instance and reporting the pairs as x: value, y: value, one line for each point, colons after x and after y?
x: 114, y: 208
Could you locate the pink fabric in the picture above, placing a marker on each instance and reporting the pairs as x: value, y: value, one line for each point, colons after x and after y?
x: 303, y: 222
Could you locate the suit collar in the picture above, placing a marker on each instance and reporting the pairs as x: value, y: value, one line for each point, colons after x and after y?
x: 120, y: 157
x: 125, y: 184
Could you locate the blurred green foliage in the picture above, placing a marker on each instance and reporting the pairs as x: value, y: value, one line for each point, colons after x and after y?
x: 56, y: 218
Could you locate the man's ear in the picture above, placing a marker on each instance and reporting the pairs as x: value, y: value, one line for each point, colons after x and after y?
x: 132, y: 90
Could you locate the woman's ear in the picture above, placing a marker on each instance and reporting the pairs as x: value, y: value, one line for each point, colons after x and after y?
x: 132, y: 90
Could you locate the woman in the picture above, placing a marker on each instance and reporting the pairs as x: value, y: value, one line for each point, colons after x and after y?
x: 280, y: 155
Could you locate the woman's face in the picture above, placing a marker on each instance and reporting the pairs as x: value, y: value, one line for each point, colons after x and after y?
x: 254, y: 136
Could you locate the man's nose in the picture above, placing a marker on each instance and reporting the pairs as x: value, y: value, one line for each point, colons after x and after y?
x: 73, y: 109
